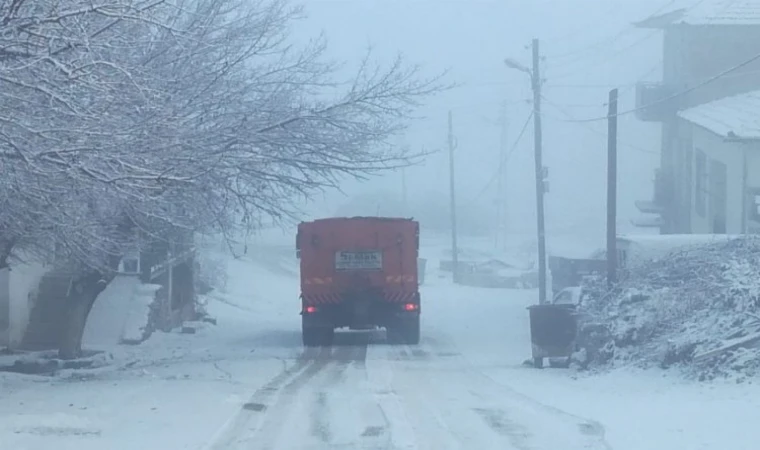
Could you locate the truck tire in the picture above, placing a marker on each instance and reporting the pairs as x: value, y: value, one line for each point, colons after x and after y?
x: 311, y: 336
x: 407, y: 332
x: 412, y: 332
x: 317, y: 336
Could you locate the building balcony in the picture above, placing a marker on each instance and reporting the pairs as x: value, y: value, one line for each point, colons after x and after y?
x: 648, y: 221
x: 653, y: 210
x: 655, y: 102
x: 649, y: 207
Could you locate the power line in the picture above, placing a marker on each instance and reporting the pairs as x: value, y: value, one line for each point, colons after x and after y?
x: 583, y: 28
x: 507, y: 155
x: 677, y: 94
x: 597, y: 132
x: 618, y: 52
x: 603, y: 42
x: 552, y: 85
x: 607, y: 58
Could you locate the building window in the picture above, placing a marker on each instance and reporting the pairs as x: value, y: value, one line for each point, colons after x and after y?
x: 718, y: 196
x: 700, y: 183
x: 753, y: 210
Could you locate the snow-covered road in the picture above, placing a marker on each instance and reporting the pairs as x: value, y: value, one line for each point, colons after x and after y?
x: 377, y: 396
x: 249, y: 384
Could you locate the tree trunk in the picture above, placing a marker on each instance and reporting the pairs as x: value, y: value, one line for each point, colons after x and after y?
x: 84, y: 293
x: 6, y: 247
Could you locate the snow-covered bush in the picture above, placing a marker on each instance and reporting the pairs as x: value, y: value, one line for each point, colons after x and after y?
x: 684, y: 308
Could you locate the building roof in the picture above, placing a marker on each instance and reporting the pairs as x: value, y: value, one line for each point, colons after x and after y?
x: 735, y: 117
x: 708, y: 12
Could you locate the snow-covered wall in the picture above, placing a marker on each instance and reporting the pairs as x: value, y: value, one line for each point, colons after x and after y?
x: 17, y: 289
x: 110, y: 313
x: 731, y: 154
x: 4, y: 305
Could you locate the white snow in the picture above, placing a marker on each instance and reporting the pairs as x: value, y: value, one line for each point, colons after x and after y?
x: 646, y: 247
x: 136, y: 321
x: 110, y: 313
x: 735, y: 115
x: 723, y: 12
x: 463, y: 387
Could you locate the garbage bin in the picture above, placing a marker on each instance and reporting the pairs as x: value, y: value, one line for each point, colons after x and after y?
x: 553, y: 330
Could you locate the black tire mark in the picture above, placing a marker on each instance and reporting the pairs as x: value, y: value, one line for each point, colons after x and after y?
x: 339, y: 358
x: 274, y: 420
x: 498, y: 421
x: 588, y: 427
x: 307, y: 365
x: 343, y: 357
x: 320, y: 414
x: 320, y: 425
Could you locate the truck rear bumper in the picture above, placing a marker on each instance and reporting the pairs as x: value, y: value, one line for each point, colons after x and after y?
x: 349, y: 314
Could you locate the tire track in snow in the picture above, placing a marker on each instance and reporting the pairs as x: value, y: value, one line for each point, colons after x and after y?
x: 499, y: 419
x: 452, y: 407
x: 379, y: 376
x: 436, y: 423
x: 266, y: 420
x: 255, y: 414
x: 338, y: 406
x: 320, y: 426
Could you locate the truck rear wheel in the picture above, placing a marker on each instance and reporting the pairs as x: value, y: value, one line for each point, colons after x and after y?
x: 310, y: 336
x: 407, y: 332
x: 317, y: 336
x: 412, y: 331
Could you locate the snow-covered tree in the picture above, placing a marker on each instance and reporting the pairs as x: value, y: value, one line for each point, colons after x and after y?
x: 155, y: 115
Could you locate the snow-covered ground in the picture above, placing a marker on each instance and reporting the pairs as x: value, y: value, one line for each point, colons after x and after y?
x: 248, y: 383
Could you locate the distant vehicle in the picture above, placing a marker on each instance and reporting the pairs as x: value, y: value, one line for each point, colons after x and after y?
x: 360, y: 273
x: 569, y: 296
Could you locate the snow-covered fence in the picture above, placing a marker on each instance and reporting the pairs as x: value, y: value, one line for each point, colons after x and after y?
x: 171, y: 262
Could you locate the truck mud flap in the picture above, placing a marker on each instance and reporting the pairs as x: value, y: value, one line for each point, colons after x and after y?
x: 360, y: 315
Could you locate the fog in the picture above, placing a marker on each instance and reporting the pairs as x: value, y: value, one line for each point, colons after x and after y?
x: 588, y: 47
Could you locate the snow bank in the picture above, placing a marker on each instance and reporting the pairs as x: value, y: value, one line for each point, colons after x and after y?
x: 698, y: 307
x: 640, y: 249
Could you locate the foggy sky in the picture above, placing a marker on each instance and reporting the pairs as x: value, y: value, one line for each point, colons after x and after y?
x: 589, y: 47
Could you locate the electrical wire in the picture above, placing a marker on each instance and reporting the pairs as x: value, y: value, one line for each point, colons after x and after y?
x: 505, y: 158
x: 618, y: 52
x: 607, y: 59
x: 677, y: 94
x: 597, y: 132
x: 605, y: 41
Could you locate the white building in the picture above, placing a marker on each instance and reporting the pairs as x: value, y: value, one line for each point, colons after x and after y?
x: 720, y: 160
x: 708, y: 91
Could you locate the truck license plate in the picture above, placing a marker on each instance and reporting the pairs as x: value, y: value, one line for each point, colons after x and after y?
x: 364, y: 260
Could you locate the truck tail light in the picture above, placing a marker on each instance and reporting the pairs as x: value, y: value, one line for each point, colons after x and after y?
x: 411, y: 307
x: 310, y: 309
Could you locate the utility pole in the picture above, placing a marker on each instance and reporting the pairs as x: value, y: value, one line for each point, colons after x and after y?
x: 612, y: 119
x: 454, y: 247
x: 403, y: 191
x: 169, y: 286
x: 540, y: 173
x: 542, y: 185
x: 501, y: 196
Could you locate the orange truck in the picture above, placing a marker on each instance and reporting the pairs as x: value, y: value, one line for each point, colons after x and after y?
x: 360, y: 273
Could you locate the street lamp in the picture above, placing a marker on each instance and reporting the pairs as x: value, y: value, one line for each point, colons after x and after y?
x: 512, y: 64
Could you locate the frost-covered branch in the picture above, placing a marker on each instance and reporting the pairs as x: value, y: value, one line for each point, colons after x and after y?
x: 199, y: 115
